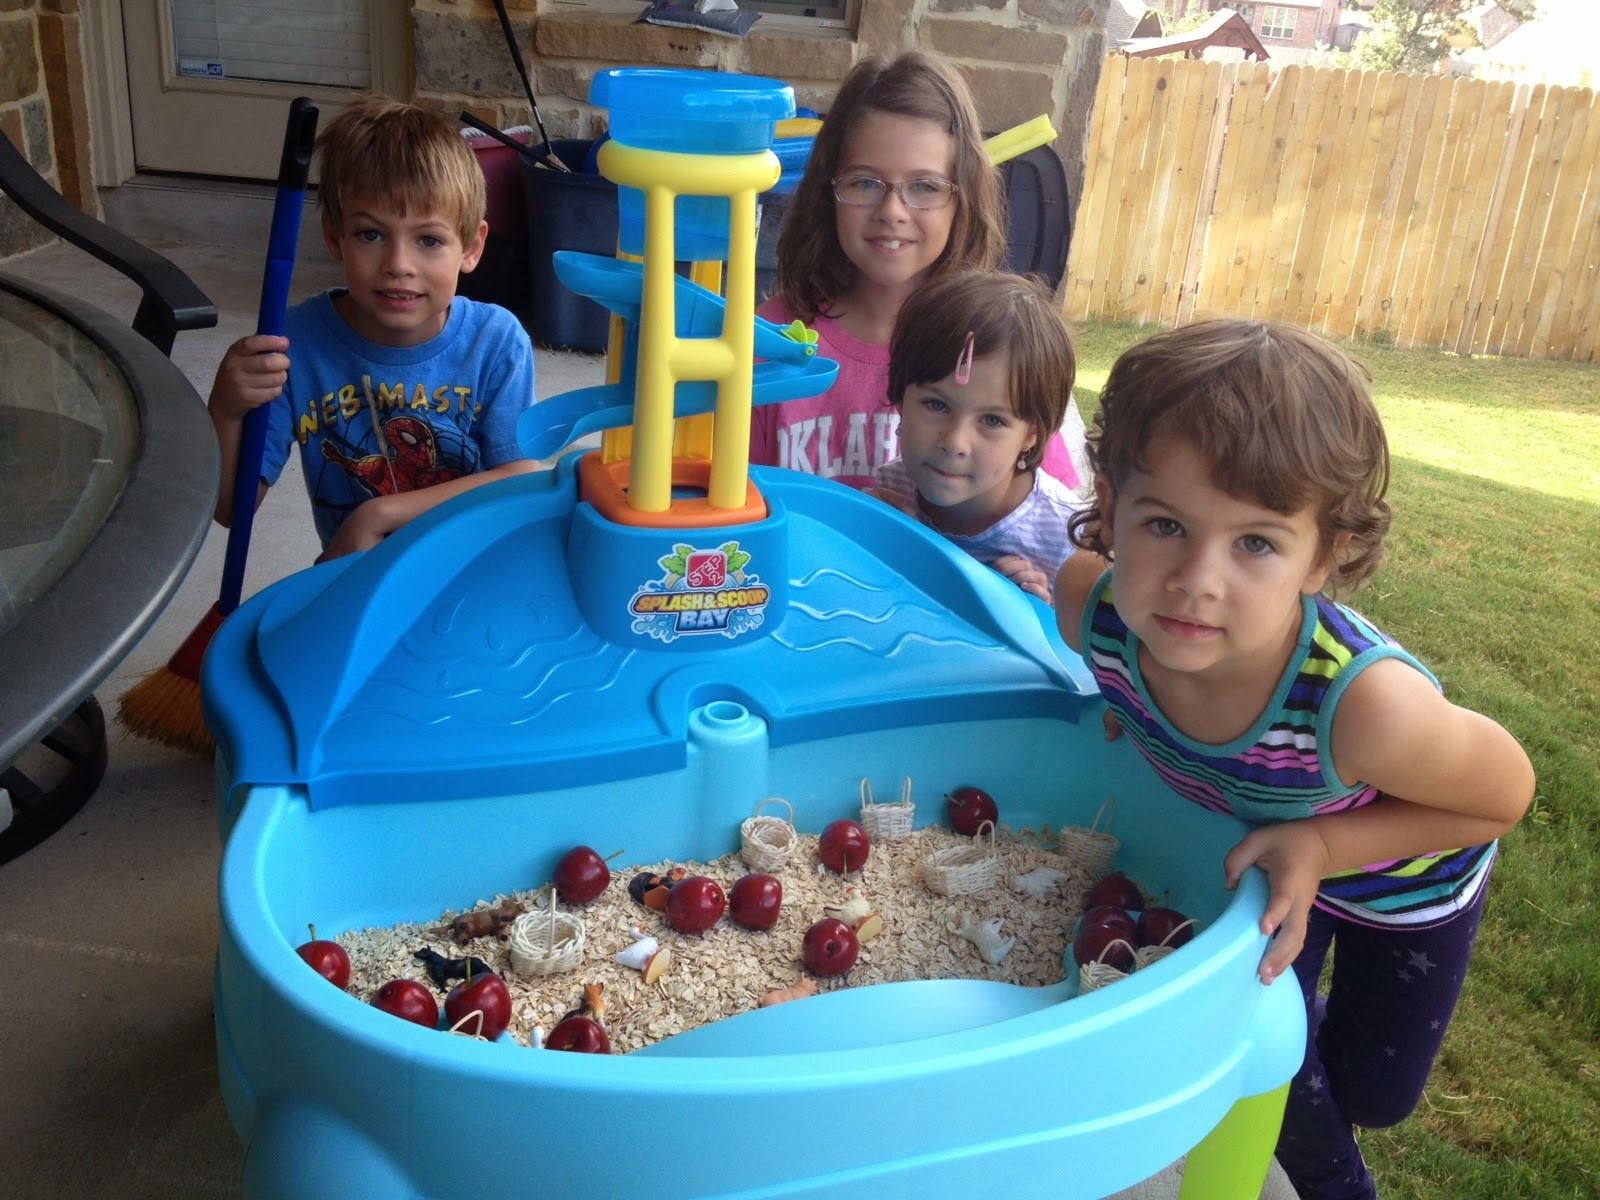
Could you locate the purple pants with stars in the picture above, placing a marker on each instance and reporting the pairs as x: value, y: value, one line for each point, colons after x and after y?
x: 1370, y: 1043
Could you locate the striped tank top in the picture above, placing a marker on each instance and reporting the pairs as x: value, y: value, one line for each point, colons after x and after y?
x: 1280, y: 768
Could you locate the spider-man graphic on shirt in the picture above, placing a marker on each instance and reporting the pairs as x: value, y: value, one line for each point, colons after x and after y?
x: 411, y: 463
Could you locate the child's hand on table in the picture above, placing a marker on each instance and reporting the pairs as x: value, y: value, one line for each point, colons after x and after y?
x: 1295, y: 858
x: 362, y: 529
x: 1025, y: 575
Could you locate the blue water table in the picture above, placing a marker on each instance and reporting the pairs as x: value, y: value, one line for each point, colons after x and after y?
x: 636, y: 648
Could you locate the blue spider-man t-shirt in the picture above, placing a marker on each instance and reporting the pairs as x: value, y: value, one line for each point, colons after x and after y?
x: 372, y: 420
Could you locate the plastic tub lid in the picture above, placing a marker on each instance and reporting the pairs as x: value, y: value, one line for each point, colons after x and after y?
x: 697, y: 95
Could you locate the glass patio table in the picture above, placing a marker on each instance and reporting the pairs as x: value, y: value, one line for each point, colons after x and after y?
x: 108, y: 477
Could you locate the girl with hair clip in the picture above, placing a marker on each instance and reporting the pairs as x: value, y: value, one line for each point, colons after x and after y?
x: 897, y: 192
x: 981, y: 370
x: 1240, y: 471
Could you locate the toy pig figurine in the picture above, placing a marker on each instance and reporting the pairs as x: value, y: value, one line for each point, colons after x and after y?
x: 801, y: 988
x: 482, y: 922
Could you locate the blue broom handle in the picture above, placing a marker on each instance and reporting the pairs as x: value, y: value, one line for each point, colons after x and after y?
x: 293, y: 170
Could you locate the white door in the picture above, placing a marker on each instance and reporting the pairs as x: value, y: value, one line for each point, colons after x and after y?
x: 210, y: 81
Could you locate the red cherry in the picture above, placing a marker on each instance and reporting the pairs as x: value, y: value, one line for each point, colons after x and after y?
x: 829, y: 947
x: 583, y: 1034
x: 968, y: 808
x: 755, y: 901
x: 844, y: 847
x: 581, y: 875
x: 1115, y: 918
x: 1116, y: 889
x: 1093, y: 941
x: 408, y: 1000
x: 326, y: 958
x: 486, y: 994
x: 695, y: 904
x: 1164, y: 926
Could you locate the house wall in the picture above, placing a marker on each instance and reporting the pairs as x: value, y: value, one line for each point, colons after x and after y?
x: 1021, y: 57
x: 1314, y: 26
x: 43, y: 108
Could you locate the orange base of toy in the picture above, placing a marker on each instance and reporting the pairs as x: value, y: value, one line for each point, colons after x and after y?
x: 605, y: 485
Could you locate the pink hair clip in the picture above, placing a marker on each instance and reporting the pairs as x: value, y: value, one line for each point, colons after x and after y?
x: 964, y: 360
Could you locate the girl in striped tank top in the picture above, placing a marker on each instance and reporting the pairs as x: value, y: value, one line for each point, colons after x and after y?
x: 1240, y: 469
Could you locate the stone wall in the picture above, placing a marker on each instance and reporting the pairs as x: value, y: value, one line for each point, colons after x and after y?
x: 1021, y: 57
x: 43, y: 108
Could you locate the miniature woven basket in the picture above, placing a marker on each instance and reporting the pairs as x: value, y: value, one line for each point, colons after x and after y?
x: 544, y: 943
x: 1145, y: 955
x: 765, y: 843
x: 1098, y: 974
x: 964, y: 870
x: 890, y: 822
x: 1092, y: 850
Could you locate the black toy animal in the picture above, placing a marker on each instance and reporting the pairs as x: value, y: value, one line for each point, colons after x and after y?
x: 444, y: 970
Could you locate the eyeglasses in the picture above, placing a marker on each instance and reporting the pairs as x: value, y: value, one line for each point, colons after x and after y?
x: 868, y: 191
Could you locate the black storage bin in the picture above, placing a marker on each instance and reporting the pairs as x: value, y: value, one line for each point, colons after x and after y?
x: 1038, y: 215
x: 773, y: 207
x: 574, y: 211
x: 502, y: 273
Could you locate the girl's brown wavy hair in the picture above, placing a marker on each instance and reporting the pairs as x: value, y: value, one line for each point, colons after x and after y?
x: 1286, y: 419
x: 812, y: 268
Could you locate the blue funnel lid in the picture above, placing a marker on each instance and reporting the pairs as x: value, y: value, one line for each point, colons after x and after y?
x: 695, y: 95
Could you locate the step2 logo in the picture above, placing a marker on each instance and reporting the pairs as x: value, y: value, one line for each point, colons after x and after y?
x: 700, y: 591
x: 707, y: 569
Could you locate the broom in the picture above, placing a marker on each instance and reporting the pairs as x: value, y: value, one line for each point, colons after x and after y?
x: 165, y: 705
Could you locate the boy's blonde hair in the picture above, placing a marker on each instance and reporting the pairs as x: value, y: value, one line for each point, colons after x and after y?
x: 1001, y: 312
x: 812, y: 268
x: 413, y: 158
x: 1286, y: 420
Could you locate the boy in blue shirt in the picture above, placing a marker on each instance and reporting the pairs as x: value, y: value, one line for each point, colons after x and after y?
x: 400, y: 394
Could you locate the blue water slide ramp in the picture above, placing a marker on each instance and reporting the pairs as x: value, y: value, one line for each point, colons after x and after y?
x: 788, y: 369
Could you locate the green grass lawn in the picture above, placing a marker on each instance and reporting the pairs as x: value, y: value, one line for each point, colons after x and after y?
x: 1493, y: 580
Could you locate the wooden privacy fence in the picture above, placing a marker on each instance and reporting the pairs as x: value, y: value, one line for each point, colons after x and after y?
x: 1453, y: 213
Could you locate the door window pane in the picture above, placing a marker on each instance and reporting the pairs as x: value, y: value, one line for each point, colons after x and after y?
x: 824, y: 12
x: 287, y: 41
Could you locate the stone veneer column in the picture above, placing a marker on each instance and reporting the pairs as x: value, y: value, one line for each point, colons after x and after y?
x: 61, y: 52
x: 24, y: 116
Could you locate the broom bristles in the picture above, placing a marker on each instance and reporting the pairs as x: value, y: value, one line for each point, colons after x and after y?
x: 164, y: 706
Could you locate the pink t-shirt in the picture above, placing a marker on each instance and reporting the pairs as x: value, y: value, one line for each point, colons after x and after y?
x: 847, y: 432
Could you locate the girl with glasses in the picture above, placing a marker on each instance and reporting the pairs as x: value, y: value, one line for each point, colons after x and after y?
x: 898, y: 192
